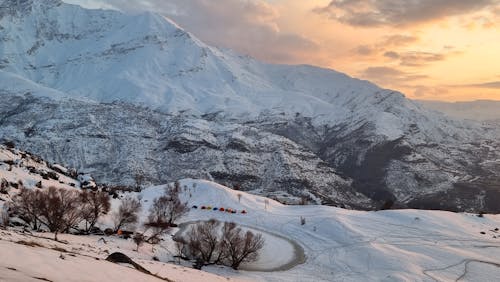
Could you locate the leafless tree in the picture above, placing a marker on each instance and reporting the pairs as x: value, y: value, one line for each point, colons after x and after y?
x: 26, y: 204
x: 127, y: 213
x: 210, y: 243
x: 176, y: 208
x: 158, y: 218
x: 59, y: 209
x: 93, y: 205
x: 164, y: 211
x: 241, y: 246
x: 204, y: 242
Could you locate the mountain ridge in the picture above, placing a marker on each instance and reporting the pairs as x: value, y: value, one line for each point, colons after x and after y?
x: 101, y: 69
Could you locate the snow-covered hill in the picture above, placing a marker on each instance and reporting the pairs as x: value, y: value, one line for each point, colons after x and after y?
x: 177, y: 105
x: 20, y: 169
x: 333, y: 245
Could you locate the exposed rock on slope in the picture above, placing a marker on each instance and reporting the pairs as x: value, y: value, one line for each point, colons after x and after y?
x: 220, y: 115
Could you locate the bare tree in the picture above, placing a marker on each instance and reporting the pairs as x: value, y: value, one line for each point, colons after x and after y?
x: 210, y: 243
x: 158, y: 218
x: 242, y: 247
x: 164, y: 211
x: 59, y: 209
x: 26, y: 204
x: 176, y: 208
x: 127, y: 212
x: 94, y: 204
x: 204, y: 242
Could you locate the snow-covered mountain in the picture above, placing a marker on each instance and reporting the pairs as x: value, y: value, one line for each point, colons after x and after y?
x: 118, y: 94
x: 480, y: 110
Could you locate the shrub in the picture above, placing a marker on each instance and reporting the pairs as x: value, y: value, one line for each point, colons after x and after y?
x: 127, y: 213
x: 138, y: 240
x: 4, y: 186
x: 387, y: 204
x: 93, y: 205
x: 9, y: 144
x: 4, y: 216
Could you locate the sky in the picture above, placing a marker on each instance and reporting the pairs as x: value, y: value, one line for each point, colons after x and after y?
x: 428, y: 49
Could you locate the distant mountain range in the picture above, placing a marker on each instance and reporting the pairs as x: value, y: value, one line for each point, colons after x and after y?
x: 481, y: 110
x: 121, y: 95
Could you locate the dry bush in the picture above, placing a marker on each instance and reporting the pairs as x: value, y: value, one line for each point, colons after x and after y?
x: 29, y: 243
x: 4, y: 215
x: 138, y: 240
x: 93, y: 205
x: 127, y: 214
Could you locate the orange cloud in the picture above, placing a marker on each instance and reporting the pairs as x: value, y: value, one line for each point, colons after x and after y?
x: 399, y: 13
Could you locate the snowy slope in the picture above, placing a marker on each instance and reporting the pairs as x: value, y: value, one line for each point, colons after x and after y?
x: 46, y: 261
x: 376, y: 141
x: 21, y: 169
x: 342, y: 245
x: 338, y: 244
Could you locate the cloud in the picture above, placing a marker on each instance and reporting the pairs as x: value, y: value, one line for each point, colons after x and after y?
x: 386, y: 45
x: 372, y: 13
x: 249, y: 27
x: 365, y: 50
x: 392, y: 55
x: 416, y: 59
x: 491, y: 85
x: 395, y: 40
x: 389, y: 76
x: 428, y: 91
x: 398, y: 40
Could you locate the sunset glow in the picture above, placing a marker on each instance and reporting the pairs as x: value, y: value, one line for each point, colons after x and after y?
x: 439, y: 50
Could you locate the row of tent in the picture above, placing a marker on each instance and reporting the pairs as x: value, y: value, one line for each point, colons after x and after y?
x: 228, y: 210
